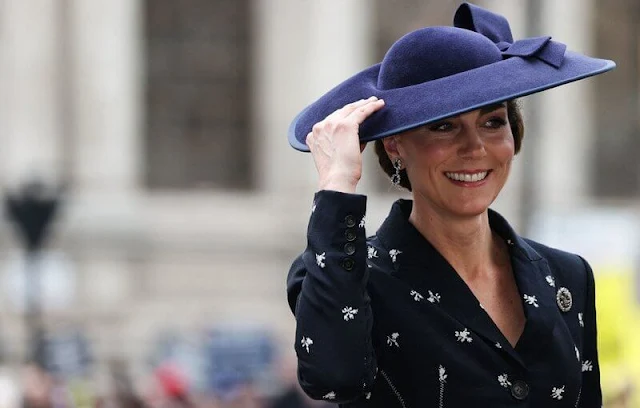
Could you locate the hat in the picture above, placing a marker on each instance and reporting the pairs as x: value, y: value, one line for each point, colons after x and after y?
x: 438, y: 72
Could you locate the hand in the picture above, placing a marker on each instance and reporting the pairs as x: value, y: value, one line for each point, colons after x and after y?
x: 335, y: 145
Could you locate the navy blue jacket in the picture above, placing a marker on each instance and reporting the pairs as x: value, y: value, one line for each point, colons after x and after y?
x: 387, y: 322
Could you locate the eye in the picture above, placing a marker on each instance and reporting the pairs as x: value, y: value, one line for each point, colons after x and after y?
x: 441, y: 127
x: 495, y: 123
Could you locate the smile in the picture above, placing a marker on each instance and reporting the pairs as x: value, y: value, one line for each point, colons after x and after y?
x: 467, y: 177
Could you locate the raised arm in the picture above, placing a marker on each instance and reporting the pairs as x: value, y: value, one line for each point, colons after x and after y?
x: 327, y: 283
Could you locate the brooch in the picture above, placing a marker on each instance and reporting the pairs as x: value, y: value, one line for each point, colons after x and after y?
x: 564, y: 299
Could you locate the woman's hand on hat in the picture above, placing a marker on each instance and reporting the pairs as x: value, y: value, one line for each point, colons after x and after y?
x: 336, y: 148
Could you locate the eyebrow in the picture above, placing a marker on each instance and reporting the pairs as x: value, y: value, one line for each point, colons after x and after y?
x: 492, y: 107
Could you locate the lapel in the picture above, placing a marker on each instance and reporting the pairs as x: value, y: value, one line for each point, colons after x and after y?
x: 420, y: 265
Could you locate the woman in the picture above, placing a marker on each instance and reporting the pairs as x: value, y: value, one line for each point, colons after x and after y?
x: 446, y: 306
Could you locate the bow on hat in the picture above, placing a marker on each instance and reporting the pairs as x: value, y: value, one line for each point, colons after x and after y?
x: 496, y: 28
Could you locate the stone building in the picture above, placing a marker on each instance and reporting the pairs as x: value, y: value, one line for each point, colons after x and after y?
x: 167, y: 121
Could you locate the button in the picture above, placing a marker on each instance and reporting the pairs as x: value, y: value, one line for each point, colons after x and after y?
x: 348, y: 264
x: 350, y: 221
x: 349, y: 248
x: 350, y: 235
x: 519, y: 390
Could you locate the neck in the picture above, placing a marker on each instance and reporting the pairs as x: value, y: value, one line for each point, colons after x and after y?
x: 467, y: 243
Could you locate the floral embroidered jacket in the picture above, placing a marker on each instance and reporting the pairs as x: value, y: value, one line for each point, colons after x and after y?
x: 387, y: 322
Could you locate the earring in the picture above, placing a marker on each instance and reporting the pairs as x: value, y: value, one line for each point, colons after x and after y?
x: 396, y: 178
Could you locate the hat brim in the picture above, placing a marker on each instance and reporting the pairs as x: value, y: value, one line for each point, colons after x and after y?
x: 413, y: 106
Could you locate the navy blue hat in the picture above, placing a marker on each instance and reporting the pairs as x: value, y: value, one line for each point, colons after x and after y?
x: 438, y: 72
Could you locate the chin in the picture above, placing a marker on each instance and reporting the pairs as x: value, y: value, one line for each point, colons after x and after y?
x: 472, y: 209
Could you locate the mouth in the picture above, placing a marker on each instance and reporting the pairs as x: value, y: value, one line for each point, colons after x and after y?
x: 468, y: 177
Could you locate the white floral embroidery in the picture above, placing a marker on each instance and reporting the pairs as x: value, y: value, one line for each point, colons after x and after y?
x: 587, y: 365
x: 577, y: 353
x: 498, y: 345
x: 433, y: 297
x: 557, y: 392
x: 393, y: 339
x: 463, y: 336
x: 503, y: 379
x: 481, y: 307
x: 367, y: 395
x: 372, y: 252
x: 349, y: 313
x: 551, y: 281
x: 330, y: 396
x: 306, y: 342
x: 443, y: 377
x: 320, y: 259
x: 531, y: 300
x: 580, y: 319
x: 394, y: 253
x: 442, y: 374
x: 313, y: 207
x: 416, y: 296
x: 362, y: 222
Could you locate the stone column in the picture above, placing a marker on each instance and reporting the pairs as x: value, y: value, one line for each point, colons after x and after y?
x: 30, y: 119
x: 105, y: 221
x: 566, y: 113
x: 107, y: 57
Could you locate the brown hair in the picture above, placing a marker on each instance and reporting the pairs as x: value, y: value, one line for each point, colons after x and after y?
x: 514, y: 115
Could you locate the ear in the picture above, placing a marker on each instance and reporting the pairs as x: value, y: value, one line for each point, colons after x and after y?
x: 391, y: 146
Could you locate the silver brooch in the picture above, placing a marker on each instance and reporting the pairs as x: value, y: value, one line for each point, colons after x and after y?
x: 564, y: 299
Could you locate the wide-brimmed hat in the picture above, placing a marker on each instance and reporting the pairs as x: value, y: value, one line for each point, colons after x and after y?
x: 438, y: 72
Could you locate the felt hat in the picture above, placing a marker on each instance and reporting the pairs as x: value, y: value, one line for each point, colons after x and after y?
x: 438, y: 72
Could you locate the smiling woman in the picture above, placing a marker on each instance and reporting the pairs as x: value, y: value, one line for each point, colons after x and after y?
x: 445, y: 305
x: 516, y: 124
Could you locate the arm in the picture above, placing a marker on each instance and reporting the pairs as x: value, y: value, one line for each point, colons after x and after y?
x: 591, y: 395
x: 327, y: 293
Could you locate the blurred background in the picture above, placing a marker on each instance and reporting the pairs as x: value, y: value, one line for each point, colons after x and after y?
x: 152, y: 204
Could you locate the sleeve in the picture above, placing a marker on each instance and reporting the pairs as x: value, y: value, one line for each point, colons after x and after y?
x: 327, y: 293
x: 591, y: 395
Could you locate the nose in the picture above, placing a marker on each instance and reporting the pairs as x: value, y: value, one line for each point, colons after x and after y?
x: 471, y: 144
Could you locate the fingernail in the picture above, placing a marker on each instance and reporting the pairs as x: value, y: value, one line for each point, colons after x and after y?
x: 372, y: 98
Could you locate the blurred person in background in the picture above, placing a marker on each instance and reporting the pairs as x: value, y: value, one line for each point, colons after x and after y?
x: 172, y: 388
x: 120, y: 392
x: 446, y: 305
x: 37, y: 387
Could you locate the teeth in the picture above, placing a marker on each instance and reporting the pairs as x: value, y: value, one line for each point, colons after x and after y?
x: 466, y: 177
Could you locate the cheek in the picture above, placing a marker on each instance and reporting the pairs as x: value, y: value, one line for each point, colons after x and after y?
x: 426, y: 154
x: 504, y: 149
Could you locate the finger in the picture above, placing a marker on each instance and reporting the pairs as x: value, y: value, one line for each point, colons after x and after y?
x: 349, y: 108
x: 363, y: 112
x: 309, y: 141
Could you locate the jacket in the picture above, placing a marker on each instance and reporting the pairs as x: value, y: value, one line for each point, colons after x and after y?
x: 385, y: 321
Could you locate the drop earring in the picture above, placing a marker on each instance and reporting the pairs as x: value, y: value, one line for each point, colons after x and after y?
x: 396, y: 178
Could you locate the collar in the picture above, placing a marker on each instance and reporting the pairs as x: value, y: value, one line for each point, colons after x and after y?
x: 397, y: 228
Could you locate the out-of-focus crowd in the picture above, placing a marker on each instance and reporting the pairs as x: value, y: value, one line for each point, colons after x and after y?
x: 167, y: 387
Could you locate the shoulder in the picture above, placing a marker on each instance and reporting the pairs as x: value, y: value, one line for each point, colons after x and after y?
x: 557, y: 257
x: 567, y: 269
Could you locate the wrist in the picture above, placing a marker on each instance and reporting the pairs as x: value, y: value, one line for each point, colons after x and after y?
x: 340, y: 185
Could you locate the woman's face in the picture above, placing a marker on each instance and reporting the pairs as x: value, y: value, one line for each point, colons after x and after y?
x: 458, y: 165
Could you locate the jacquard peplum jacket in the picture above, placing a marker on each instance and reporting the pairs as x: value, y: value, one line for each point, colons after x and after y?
x: 386, y: 322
